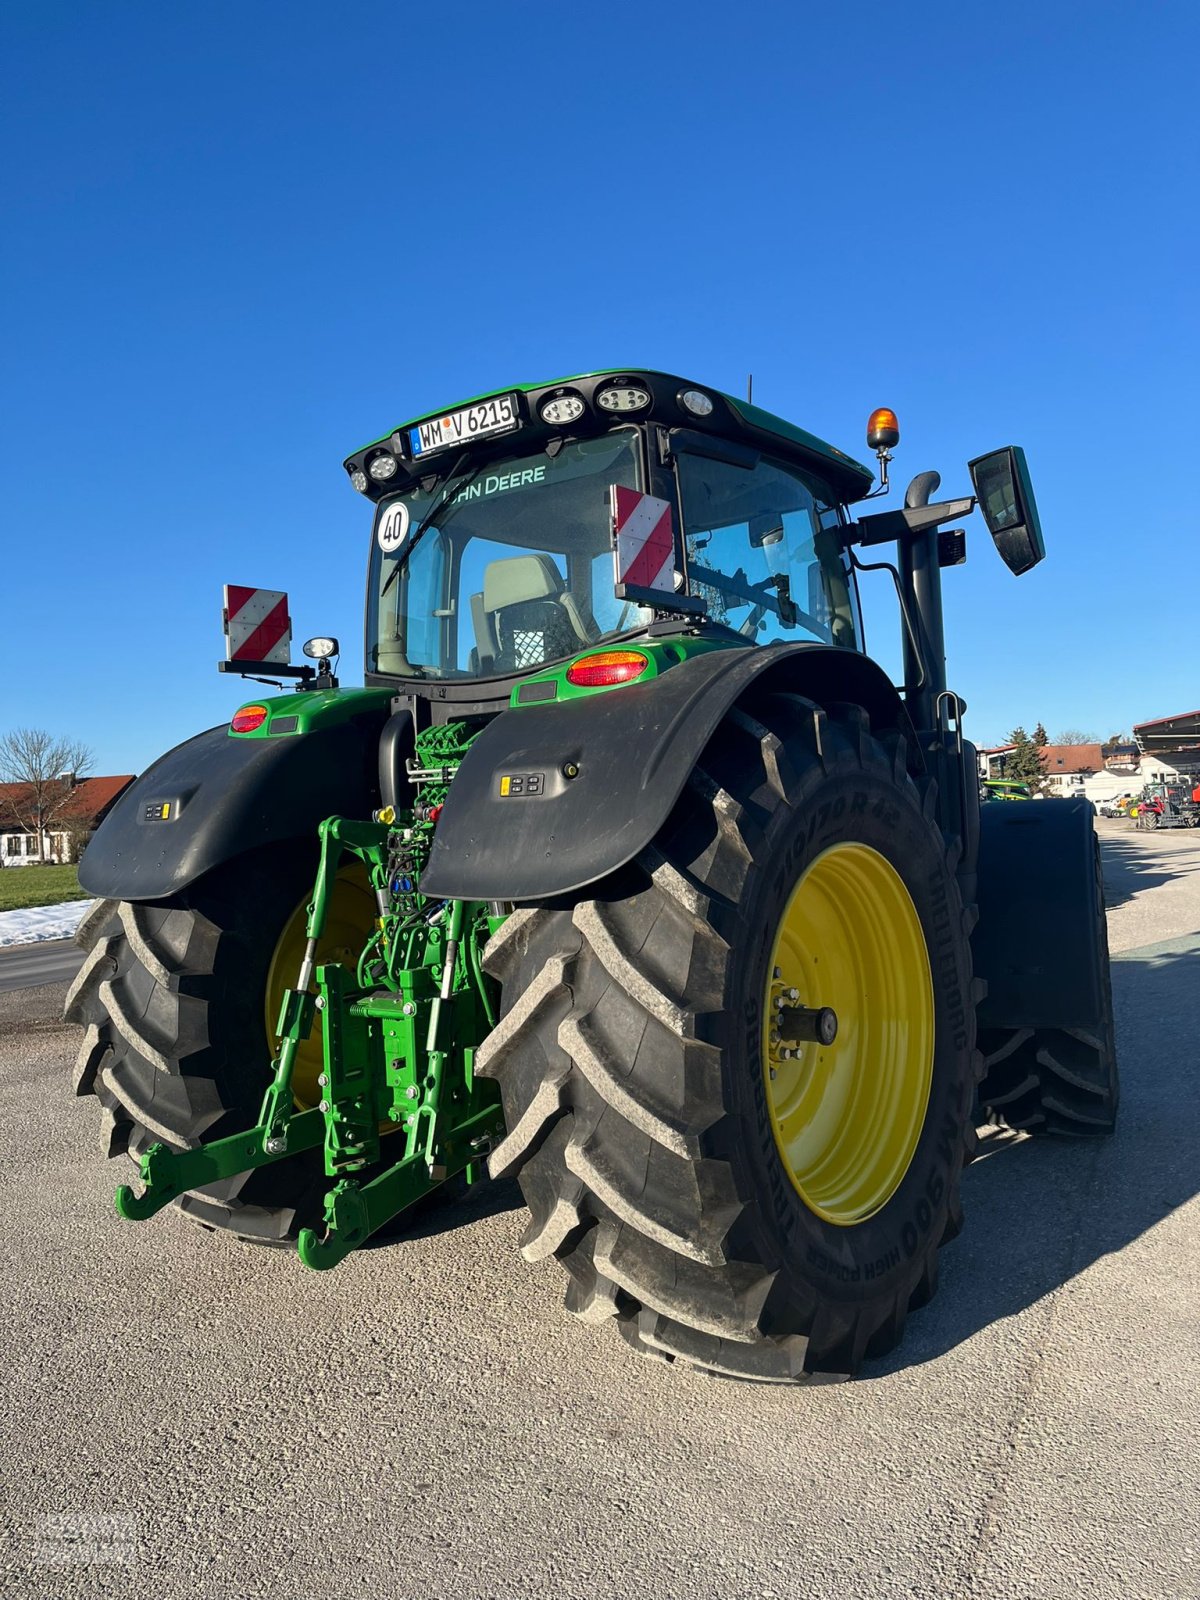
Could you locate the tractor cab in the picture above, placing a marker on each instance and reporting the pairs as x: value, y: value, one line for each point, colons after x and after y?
x: 527, y: 527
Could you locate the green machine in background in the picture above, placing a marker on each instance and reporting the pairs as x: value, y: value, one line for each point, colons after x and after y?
x: 1004, y: 789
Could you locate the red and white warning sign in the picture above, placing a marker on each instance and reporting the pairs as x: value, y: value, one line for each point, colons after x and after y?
x: 257, y: 625
x: 643, y: 539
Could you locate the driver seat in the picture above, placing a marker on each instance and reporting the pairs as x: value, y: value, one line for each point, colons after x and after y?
x: 526, y: 615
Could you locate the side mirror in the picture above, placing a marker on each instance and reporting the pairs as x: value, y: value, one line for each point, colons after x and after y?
x: 1005, y: 497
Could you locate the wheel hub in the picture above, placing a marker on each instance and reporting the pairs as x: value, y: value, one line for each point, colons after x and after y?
x: 848, y: 1033
x: 803, y: 1024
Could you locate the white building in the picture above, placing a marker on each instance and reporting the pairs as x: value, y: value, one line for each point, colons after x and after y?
x: 89, y: 803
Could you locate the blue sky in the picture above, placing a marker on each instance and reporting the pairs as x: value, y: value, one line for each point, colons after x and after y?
x: 240, y: 240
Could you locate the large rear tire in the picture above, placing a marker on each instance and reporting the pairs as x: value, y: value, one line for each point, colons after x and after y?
x: 171, y: 995
x: 634, y: 1065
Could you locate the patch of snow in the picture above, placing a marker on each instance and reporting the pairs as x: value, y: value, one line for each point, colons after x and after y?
x: 38, y: 923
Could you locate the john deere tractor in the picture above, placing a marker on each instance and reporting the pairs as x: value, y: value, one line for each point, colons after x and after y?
x: 627, y: 872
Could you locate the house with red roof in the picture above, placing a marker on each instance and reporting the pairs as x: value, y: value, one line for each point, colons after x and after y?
x: 1069, y: 766
x: 72, y: 809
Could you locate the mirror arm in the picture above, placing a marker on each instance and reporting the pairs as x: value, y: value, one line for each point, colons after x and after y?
x: 884, y: 526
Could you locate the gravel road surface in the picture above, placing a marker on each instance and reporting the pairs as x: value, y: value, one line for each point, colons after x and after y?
x: 182, y: 1417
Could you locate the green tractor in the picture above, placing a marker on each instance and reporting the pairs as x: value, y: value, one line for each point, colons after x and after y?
x: 1004, y: 789
x: 627, y: 872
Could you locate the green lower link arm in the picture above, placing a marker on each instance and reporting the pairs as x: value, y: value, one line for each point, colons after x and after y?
x: 166, y: 1174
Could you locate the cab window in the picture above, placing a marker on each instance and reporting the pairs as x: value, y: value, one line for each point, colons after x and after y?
x: 763, y: 552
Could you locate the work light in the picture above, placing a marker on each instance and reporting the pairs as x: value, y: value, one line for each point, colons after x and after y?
x: 563, y: 408
x: 694, y: 401
x: 623, y: 397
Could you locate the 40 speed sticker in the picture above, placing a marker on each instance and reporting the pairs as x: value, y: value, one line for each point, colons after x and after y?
x: 393, y: 528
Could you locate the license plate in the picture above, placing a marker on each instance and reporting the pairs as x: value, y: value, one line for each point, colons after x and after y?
x: 460, y: 427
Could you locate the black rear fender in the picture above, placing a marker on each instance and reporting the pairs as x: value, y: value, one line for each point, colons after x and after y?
x: 227, y: 797
x: 551, y: 834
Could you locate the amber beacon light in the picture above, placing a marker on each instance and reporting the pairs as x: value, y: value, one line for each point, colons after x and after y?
x: 883, y: 430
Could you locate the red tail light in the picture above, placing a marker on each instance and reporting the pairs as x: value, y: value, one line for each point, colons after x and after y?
x: 249, y: 718
x: 607, y: 667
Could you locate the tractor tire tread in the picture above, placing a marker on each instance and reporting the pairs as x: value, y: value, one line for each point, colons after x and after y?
x: 1057, y: 1081
x: 621, y: 1136
x: 152, y: 976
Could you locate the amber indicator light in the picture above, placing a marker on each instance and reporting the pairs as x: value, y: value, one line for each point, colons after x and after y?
x: 606, y: 668
x: 249, y: 718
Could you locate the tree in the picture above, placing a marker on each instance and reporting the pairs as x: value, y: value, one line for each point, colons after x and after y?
x: 1040, y: 737
x: 1025, y: 763
x: 43, y: 770
x: 1076, y: 736
x: 1118, y: 738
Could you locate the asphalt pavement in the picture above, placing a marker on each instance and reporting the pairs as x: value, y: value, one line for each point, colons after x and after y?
x: 28, y: 966
x: 185, y: 1417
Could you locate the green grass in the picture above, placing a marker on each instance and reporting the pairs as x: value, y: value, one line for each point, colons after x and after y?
x: 22, y: 887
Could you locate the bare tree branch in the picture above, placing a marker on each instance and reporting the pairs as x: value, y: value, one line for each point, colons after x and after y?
x: 1076, y: 736
x: 43, y: 770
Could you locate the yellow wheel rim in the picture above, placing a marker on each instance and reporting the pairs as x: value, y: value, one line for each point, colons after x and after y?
x: 348, y: 923
x: 847, y: 1115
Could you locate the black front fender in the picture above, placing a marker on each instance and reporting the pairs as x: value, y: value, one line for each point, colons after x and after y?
x: 633, y: 747
x: 226, y: 796
x: 1040, y: 943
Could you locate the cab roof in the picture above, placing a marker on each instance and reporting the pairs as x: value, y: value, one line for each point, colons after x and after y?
x: 849, y: 479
